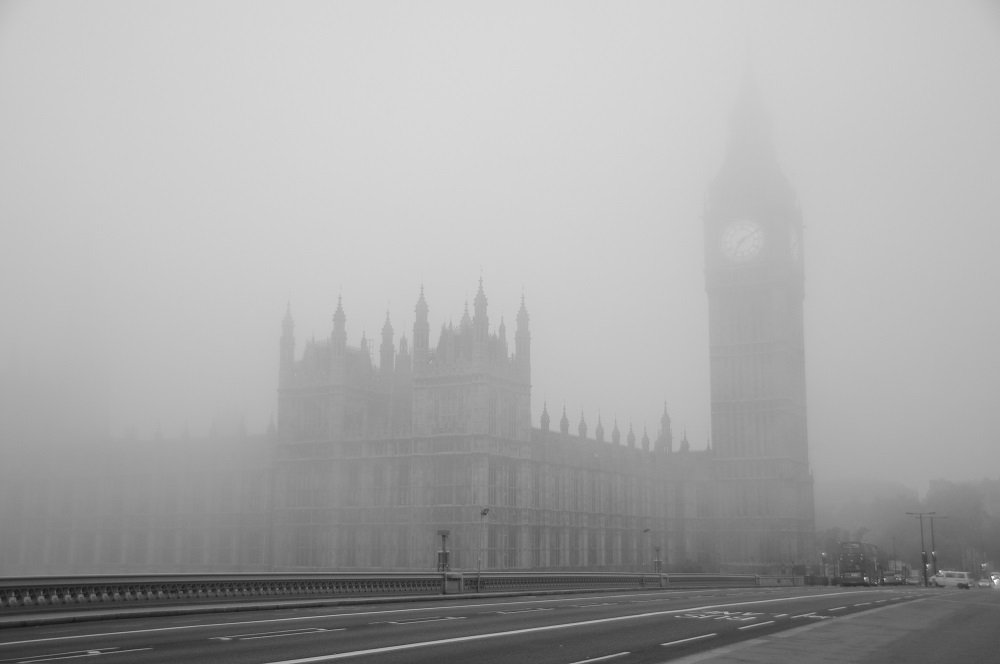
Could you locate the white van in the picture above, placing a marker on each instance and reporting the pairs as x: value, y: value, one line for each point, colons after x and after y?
x: 949, y: 579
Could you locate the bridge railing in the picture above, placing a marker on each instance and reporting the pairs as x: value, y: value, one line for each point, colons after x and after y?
x: 24, y: 593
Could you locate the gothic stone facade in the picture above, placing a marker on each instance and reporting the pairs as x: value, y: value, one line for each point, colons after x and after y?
x: 374, y: 461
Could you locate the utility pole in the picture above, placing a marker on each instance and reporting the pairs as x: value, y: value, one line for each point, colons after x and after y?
x: 923, y: 549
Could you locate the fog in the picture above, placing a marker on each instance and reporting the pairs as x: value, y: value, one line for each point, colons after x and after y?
x: 176, y: 174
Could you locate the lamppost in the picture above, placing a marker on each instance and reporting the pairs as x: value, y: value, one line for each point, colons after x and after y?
x: 443, y: 560
x: 934, y: 550
x: 923, y: 550
x: 822, y: 555
x: 645, y: 531
x: 482, y: 544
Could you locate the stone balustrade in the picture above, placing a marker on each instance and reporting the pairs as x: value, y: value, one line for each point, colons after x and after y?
x: 37, y: 593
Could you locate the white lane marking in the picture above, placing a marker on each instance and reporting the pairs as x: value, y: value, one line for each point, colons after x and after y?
x: 837, y: 608
x: 769, y: 622
x: 693, y: 638
x: 780, y: 615
x: 272, y: 635
x: 325, y: 616
x: 584, y: 606
x: 528, y: 630
x: 97, y: 652
x: 507, y: 613
x: 601, y: 659
x: 863, y: 604
x: 423, y: 620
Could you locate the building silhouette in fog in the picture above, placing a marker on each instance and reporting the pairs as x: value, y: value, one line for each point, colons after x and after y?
x: 373, y: 460
x: 377, y: 449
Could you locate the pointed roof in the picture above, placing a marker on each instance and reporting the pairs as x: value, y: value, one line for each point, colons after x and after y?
x: 522, y: 317
x: 421, y: 308
x: 480, y: 301
x: 338, y: 315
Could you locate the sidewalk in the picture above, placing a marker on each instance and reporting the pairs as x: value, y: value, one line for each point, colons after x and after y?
x: 849, y: 639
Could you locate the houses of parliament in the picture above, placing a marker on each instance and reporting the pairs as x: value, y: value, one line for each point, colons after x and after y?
x: 375, y: 451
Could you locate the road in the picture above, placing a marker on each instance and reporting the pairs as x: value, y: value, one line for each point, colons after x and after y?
x: 771, y: 625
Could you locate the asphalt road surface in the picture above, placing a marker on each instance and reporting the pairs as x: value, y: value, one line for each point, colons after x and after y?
x: 867, y: 625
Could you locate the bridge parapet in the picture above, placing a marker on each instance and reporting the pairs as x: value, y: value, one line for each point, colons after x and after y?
x: 39, y: 593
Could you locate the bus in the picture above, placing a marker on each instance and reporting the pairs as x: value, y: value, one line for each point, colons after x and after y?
x: 858, y: 564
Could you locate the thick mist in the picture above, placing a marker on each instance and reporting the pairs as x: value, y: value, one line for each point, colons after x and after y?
x: 177, y: 174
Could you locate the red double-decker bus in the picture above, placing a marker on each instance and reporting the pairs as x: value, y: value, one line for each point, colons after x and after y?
x: 858, y: 564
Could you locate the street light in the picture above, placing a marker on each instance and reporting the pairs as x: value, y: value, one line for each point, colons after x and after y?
x: 645, y: 531
x: 482, y: 544
x: 923, y: 550
x: 934, y: 550
x: 443, y: 560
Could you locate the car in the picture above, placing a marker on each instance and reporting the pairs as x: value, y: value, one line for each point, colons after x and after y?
x: 984, y: 583
x: 951, y: 579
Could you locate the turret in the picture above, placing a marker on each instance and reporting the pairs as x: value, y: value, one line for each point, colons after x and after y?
x: 480, y: 321
x: 502, y: 340
x: 366, y: 356
x: 339, y: 334
x: 386, y: 350
x: 286, y: 355
x: 630, y: 438
x: 545, y: 418
x: 522, y: 343
x: 403, y: 356
x: 581, y: 428
x: 616, y: 436
x: 599, y: 431
x: 421, y: 332
x: 665, y: 439
x: 564, y: 422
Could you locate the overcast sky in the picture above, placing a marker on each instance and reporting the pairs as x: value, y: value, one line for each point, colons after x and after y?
x: 175, y: 173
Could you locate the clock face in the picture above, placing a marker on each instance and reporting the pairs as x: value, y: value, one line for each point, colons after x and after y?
x: 742, y: 240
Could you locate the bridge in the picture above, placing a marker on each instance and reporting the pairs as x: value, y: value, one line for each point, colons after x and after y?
x: 37, y: 593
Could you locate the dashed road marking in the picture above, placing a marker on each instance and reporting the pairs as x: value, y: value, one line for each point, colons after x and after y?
x: 601, y: 659
x: 689, y: 640
x: 755, y: 625
x: 275, y: 634
x: 507, y: 613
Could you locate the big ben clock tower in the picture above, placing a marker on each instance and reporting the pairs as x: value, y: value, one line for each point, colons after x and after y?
x: 754, y: 280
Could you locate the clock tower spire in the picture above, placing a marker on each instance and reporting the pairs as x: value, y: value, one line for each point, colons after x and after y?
x: 754, y: 281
